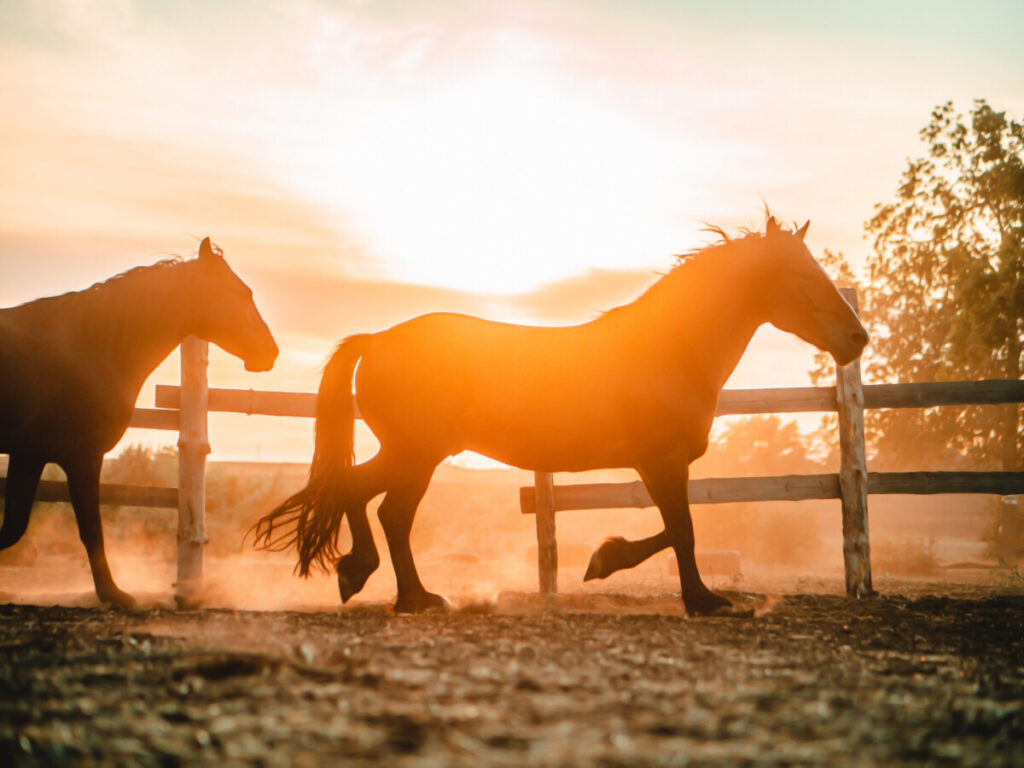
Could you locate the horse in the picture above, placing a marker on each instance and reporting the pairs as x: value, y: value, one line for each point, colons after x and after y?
x: 636, y: 387
x: 71, y: 368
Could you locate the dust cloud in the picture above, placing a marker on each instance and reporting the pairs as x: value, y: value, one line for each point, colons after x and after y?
x: 473, y: 545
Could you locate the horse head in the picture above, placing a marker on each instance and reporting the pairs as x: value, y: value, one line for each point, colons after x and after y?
x: 227, y: 314
x: 802, y: 300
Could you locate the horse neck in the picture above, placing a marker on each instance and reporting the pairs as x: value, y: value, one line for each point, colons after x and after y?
x: 136, y: 320
x: 702, y: 315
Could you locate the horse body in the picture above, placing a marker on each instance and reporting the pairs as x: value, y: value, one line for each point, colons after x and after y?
x: 640, y: 380
x: 72, y: 367
x: 536, y: 397
x: 636, y: 387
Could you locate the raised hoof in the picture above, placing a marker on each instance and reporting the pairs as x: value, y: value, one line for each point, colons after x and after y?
x: 346, y: 588
x: 427, y: 602
x: 352, y: 576
x: 595, y: 568
x: 600, y: 565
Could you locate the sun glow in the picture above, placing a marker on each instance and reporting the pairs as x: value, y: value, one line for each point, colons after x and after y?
x: 506, y: 174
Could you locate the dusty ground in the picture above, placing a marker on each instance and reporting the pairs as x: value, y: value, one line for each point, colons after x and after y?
x: 605, y: 679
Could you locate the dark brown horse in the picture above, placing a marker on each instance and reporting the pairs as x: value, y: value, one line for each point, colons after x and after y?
x: 637, y: 387
x: 71, y: 368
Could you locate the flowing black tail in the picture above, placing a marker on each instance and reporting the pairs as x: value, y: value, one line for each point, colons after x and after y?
x: 311, y: 518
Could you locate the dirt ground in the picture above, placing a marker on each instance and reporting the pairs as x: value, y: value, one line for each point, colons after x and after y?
x: 597, y: 679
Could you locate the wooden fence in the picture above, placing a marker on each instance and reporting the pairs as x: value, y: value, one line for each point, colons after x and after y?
x: 184, y: 409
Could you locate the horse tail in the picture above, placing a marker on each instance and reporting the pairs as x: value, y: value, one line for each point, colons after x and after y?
x: 310, y: 518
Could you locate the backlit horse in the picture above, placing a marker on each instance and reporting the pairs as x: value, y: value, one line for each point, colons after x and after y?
x: 71, y: 368
x: 636, y: 387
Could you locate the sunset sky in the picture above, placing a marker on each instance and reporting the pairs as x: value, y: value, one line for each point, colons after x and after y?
x: 364, y: 162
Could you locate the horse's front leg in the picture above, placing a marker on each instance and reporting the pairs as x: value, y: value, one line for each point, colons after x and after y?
x: 84, y: 488
x: 667, y: 483
x: 23, y: 475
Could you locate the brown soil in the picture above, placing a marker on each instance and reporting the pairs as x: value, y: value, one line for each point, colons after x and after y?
x: 592, y: 680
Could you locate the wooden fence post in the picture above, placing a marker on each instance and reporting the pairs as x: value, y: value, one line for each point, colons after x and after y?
x: 547, y: 548
x: 193, y: 447
x: 853, y: 475
x: 1008, y: 528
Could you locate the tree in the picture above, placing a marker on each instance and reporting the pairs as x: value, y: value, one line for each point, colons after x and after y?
x: 139, y: 464
x: 946, y: 297
x: 824, y: 441
x: 755, y: 445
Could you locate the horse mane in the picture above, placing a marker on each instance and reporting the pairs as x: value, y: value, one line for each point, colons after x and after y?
x: 109, y: 300
x: 724, y: 239
x: 132, y: 274
x: 708, y: 253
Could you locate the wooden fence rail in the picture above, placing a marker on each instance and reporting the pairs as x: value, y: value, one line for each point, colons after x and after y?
x: 110, y: 494
x: 729, y: 490
x: 732, y: 401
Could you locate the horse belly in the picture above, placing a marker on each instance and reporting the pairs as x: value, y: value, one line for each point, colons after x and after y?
x: 554, y: 450
x: 548, y: 430
x: 591, y: 426
x: 45, y: 405
x: 438, y: 413
x: 23, y: 396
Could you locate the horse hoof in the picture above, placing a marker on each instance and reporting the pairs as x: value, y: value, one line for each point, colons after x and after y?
x: 352, y: 575
x: 601, y: 562
x: 345, y: 587
x: 707, y: 604
x: 730, y: 612
x: 427, y: 602
x: 119, y: 599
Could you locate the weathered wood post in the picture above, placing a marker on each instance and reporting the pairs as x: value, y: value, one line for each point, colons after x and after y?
x: 853, y: 474
x: 1008, y: 528
x: 547, y: 548
x: 193, y: 447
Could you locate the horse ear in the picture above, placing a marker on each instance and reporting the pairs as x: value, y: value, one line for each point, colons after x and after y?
x: 205, y: 250
x: 802, y: 232
x: 773, y: 226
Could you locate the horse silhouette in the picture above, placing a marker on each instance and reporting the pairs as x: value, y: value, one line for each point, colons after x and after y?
x: 71, y: 368
x: 636, y: 387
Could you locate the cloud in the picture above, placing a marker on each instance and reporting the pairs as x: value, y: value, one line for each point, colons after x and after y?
x: 335, y: 306
x: 320, y: 305
x: 585, y: 296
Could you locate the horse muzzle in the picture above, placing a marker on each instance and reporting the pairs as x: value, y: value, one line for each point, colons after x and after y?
x: 261, y: 363
x: 852, y: 347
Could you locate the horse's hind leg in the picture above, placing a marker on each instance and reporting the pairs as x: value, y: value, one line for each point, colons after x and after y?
x: 23, y: 475
x: 617, y: 553
x: 84, y: 487
x: 355, y: 567
x: 396, y: 514
x: 365, y: 481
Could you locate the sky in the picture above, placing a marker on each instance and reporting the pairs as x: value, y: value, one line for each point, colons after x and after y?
x: 539, y: 162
